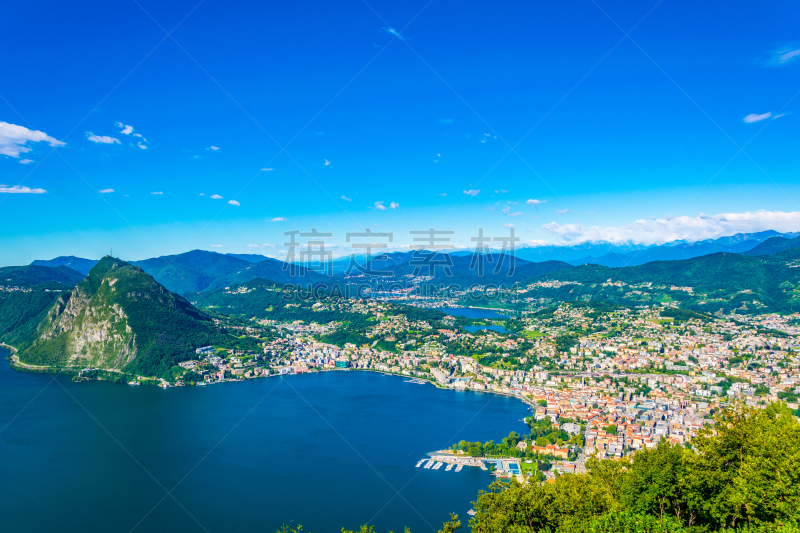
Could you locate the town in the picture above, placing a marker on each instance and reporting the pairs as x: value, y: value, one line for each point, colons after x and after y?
x: 611, y: 379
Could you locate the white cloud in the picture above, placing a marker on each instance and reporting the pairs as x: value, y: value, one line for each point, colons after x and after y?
x: 105, y: 191
x: 216, y: 197
x: 277, y: 219
x: 394, y: 205
x: 103, y: 139
x: 472, y: 192
x: 127, y: 130
x: 379, y: 206
x: 346, y: 199
x: 443, y: 194
x: 143, y: 147
x: 216, y: 246
x: 202, y: 194
x: 534, y: 202
x: 509, y: 225
x: 562, y: 211
x: 266, y: 169
x: 158, y: 192
x: 327, y: 163
x: 394, y: 32
x: 788, y: 53
x: 213, y: 148
x: 139, y: 135
x: 752, y: 117
x: 234, y: 202
x: 500, y: 191
x: 507, y: 211
x: 687, y: 228
x: 25, y: 161
x: 19, y: 189
x: 14, y: 139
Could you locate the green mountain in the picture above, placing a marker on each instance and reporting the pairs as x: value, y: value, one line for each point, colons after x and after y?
x: 118, y: 318
x: 721, y: 281
x: 191, y: 271
x: 270, y: 269
x: 250, y: 258
x: 30, y: 275
x: 78, y: 264
x: 774, y: 245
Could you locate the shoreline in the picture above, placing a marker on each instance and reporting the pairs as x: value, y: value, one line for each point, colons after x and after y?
x: 19, y: 366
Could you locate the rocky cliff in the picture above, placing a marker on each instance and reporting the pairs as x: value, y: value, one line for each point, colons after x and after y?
x: 118, y: 318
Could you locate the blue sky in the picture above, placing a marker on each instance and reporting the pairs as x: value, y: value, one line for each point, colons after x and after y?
x: 608, y: 137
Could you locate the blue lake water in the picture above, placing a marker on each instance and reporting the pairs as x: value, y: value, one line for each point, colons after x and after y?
x: 472, y: 312
x: 326, y: 450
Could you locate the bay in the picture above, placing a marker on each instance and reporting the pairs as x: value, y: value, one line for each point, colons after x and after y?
x: 326, y: 450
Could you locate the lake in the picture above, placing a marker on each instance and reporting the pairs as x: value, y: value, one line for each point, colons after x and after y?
x: 472, y: 312
x: 326, y: 450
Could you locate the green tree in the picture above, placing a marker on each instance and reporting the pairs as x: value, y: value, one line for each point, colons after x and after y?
x: 747, y: 469
x: 654, y: 484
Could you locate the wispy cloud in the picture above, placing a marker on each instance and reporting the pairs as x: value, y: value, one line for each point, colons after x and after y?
x: 782, y: 56
x: 562, y: 211
x: 19, y: 189
x: 278, y: 219
x: 534, y: 202
x: 25, y: 161
x: 752, y: 117
x: 14, y: 139
x: 266, y: 169
x: 125, y: 129
x: 216, y: 197
x: 443, y: 194
x: 216, y: 246
x: 394, y: 205
x: 379, y: 206
x: 105, y: 191
x: 202, y: 194
x: 394, y: 32
x: 103, y: 139
x: 234, y: 202
x: 668, y: 229
x: 213, y: 148
x: 142, y: 146
x: 346, y: 199
x: 509, y: 225
x: 157, y: 192
x: 500, y: 191
x: 472, y: 192
x: 326, y: 163
x: 507, y: 211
